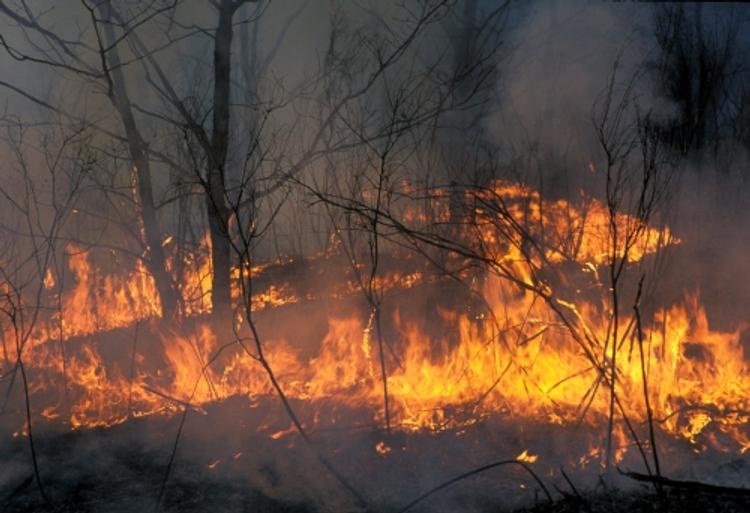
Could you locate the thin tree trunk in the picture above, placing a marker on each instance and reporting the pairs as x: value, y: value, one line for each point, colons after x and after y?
x: 218, y: 212
x: 155, y: 259
x: 221, y: 262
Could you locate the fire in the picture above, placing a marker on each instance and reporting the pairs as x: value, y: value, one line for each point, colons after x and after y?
x: 382, y: 448
x: 516, y: 357
x: 99, y: 303
x: 526, y: 457
x: 281, y: 434
x: 578, y: 233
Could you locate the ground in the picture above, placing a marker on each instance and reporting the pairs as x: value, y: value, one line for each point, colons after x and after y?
x: 226, y: 463
x: 671, y: 501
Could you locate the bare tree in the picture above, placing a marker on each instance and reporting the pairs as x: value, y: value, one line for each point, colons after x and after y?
x: 696, y: 69
x: 376, y: 95
x: 633, y: 185
x: 98, y: 65
x: 38, y: 196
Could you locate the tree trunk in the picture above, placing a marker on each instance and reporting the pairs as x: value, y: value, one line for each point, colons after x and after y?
x: 218, y: 212
x: 152, y: 234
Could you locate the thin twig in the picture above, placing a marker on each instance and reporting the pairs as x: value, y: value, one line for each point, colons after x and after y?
x: 474, y: 472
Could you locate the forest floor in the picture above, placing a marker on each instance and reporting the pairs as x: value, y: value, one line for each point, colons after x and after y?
x: 672, y: 501
x: 229, y: 460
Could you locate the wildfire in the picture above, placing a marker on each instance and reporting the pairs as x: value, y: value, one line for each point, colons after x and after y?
x: 540, y: 359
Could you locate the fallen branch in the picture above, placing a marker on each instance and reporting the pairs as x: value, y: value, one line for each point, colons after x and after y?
x: 687, y: 485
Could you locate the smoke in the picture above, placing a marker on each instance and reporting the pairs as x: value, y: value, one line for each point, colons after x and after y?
x: 562, y: 56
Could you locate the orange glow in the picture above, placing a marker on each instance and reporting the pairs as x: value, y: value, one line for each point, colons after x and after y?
x: 517, y: 357
x: 382, y: 448
x: 526, y: 457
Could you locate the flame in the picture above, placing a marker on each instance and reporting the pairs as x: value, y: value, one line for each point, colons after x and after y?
x: 382, y: 448
x: 516, y: 357
x: 100, y: 302
x: 49, y: 279
x: 526, y: 457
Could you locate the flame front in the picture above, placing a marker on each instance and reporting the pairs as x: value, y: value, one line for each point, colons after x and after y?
x: 529, y: 352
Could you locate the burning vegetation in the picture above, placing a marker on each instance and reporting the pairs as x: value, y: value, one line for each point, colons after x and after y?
x: 375, y: 290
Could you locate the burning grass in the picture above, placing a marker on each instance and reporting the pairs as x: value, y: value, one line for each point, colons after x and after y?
x: 514, y: 362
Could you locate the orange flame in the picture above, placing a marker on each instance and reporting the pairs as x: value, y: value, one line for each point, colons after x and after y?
x: 518, y: 357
